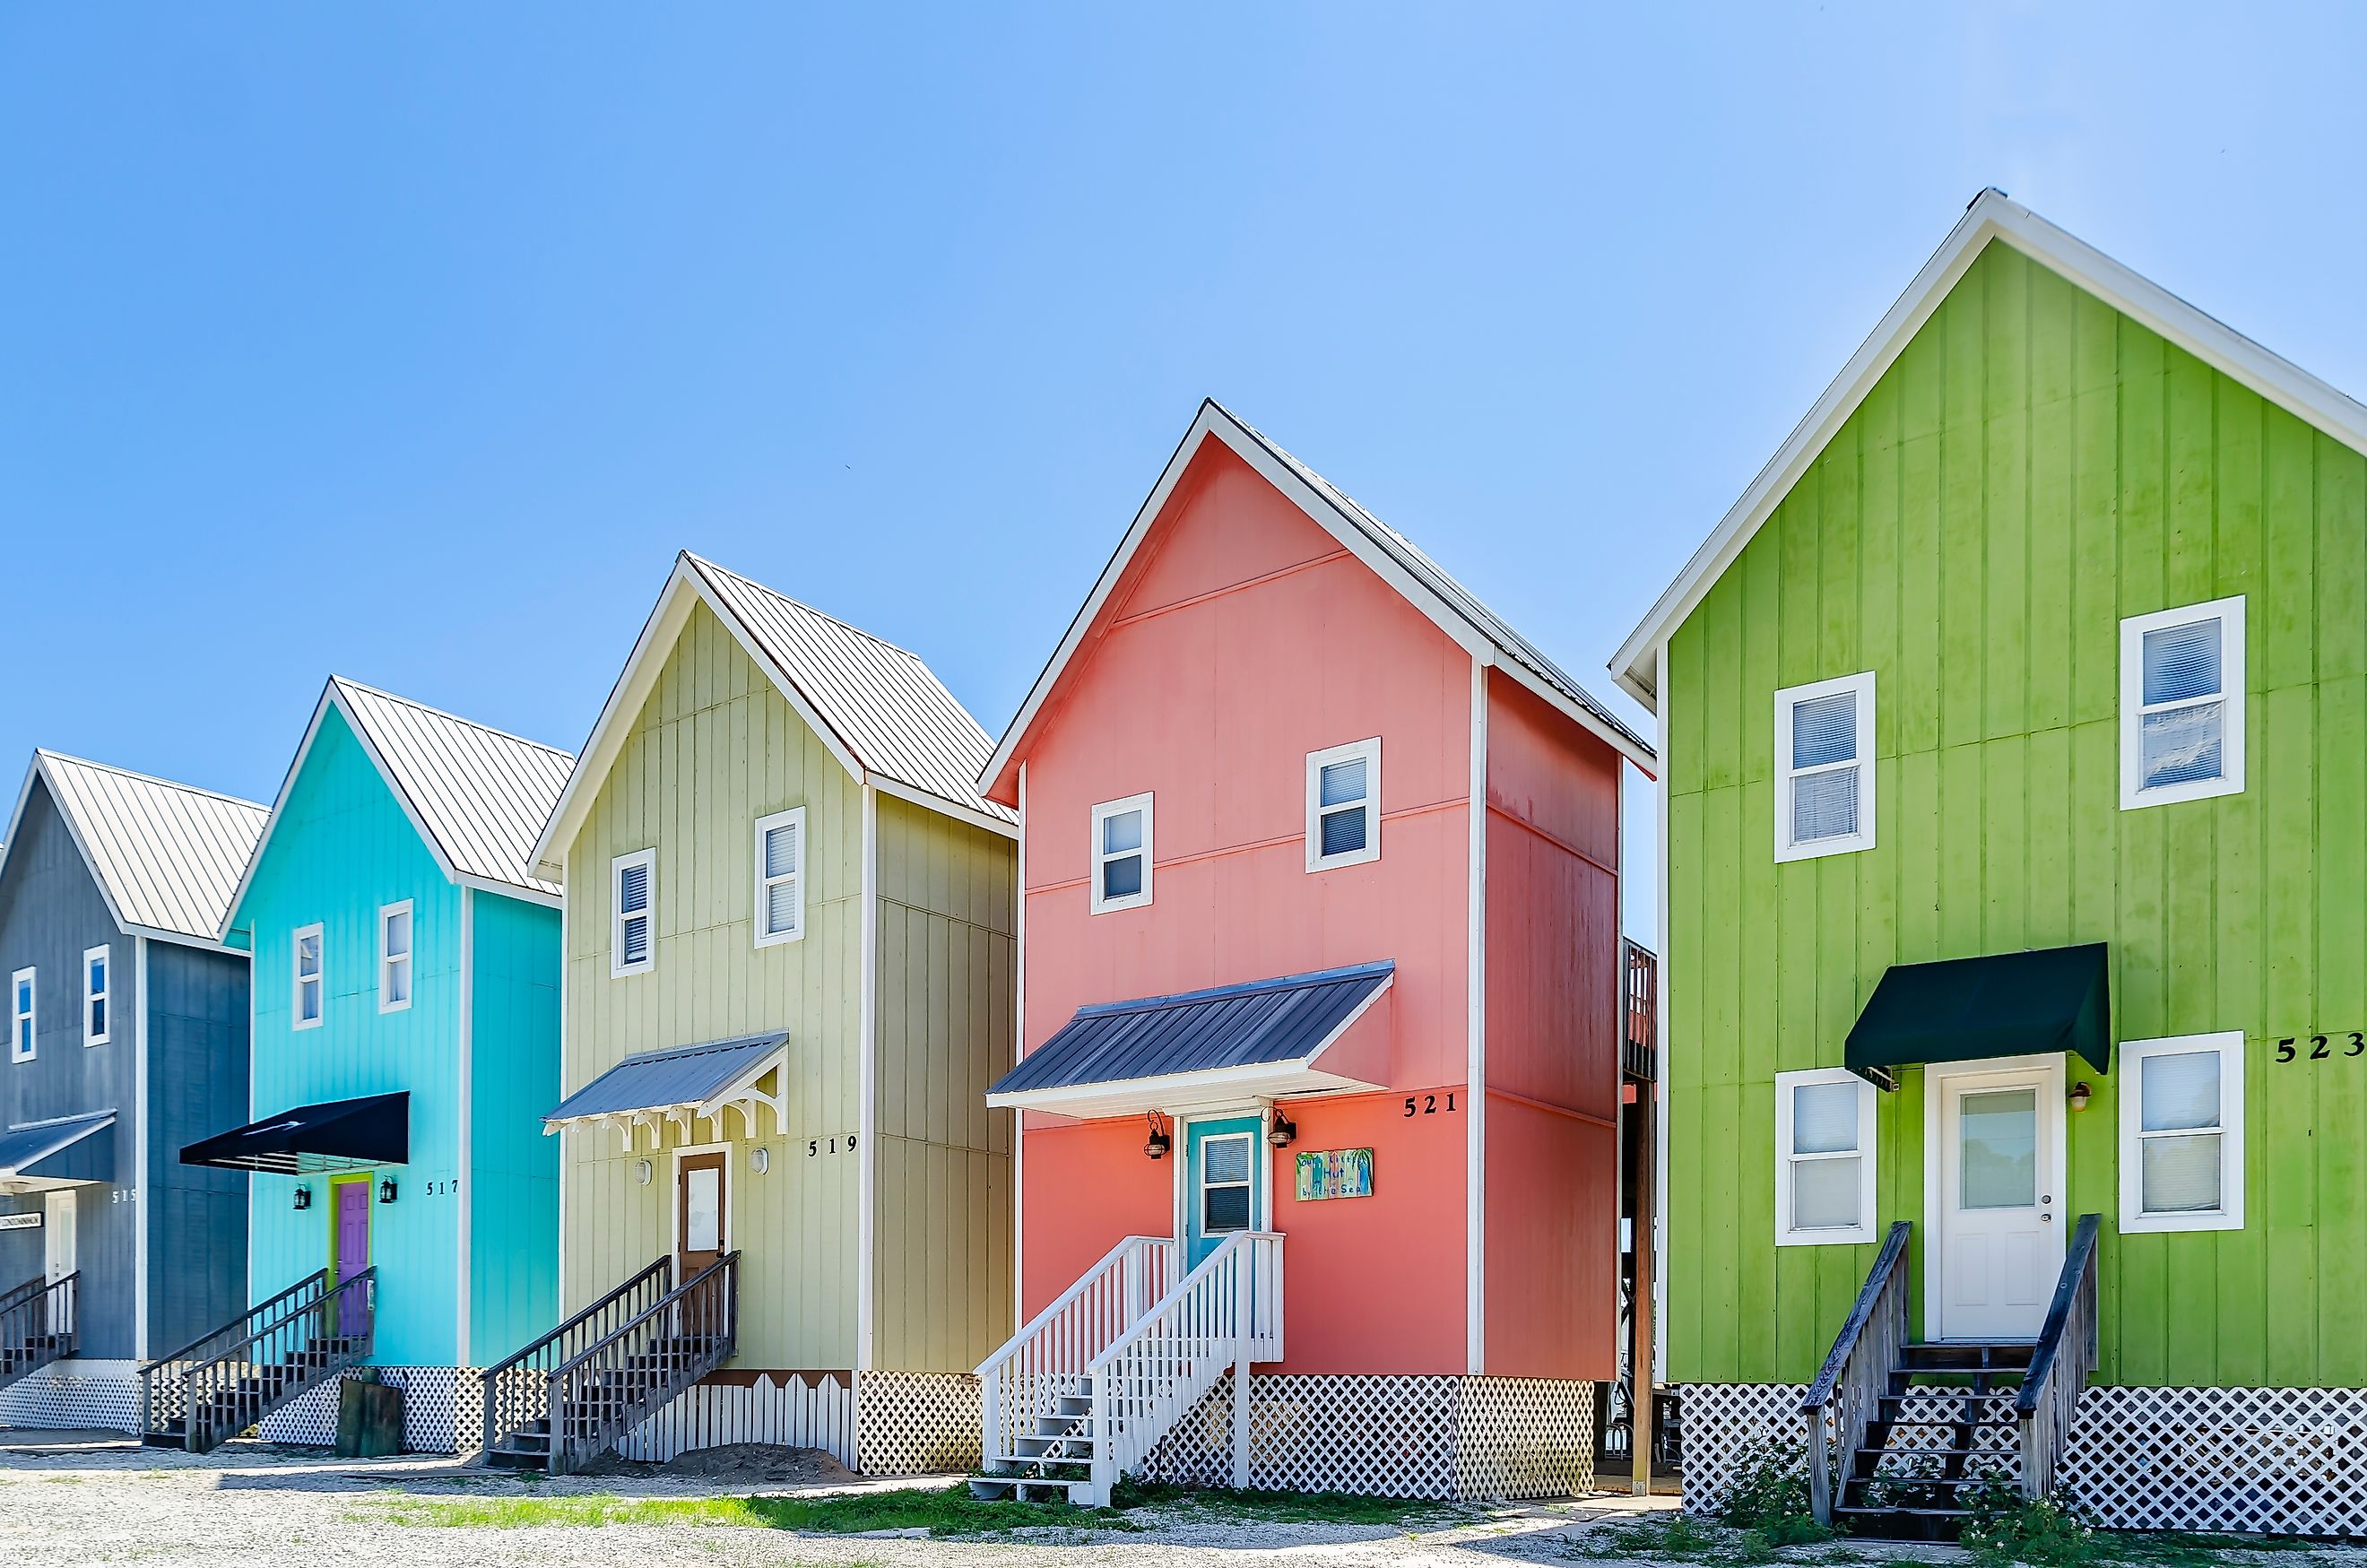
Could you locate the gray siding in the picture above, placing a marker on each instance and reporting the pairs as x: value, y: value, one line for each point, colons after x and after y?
x: 197, y: 1086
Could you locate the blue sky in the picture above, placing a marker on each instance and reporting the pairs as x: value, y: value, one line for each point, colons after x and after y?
x: 411, y: 342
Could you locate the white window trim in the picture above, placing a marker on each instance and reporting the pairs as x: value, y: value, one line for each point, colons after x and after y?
x: 386, y: 961
x: 794, y: 817
x: 2230, y: 615
x: 1102, y: 813
x: 617, y: 967
x: 106, y: 994
x: 1316, y: 763
x: 30, y: 979
x: 2129, y: 1073
x: 296, y: 1018
x: 1861, y: 683
x: 1867, y: 1226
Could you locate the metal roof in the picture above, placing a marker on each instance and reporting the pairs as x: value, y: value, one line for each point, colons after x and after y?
x: 686, y: 1075
x: 1259, y: 1023
x: 886, y: 706
x: 55, y: 1151
x: 167, y: 857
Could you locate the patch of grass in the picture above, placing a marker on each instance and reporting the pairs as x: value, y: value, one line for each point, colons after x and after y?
x: 1675, y: 1538
x: 1283, y: 1507
x: 941, y: 1513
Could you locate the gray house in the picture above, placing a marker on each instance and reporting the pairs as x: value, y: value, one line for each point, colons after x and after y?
x: 127, y: 1037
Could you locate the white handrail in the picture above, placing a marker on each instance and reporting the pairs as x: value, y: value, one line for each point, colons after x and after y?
x: 1047, y: 1358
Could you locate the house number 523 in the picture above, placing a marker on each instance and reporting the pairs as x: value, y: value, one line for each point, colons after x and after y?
x: 2320, y: 1047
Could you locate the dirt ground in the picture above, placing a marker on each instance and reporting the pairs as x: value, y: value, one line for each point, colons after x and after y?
x: 96, y: 1498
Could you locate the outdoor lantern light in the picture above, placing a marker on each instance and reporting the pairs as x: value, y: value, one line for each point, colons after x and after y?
x: 760, y: 1161
x: 1158, y: 1142
x: 303, y: 1197
x: 1282, y: 1131
x: 2079, y: 1096
x: 386, y: 1191
x: 642, y: 1171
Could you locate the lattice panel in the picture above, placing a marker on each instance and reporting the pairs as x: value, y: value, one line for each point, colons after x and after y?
x: 1724, y: 1421
x: 443, y: 1410
x: 797, y: 1410
x: 917, y: 1422
x: 2281, y: 1461
x: 69, y: 1394
x: 1524, y: 1438
x: 1386, y: 1437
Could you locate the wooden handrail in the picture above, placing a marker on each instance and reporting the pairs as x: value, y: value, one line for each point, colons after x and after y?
x: 1857, y: 1371
x: 594, y: 1397
x: 2077, y: 1265
x: 670, y: 1298
x: 1061, y: 1304
x: 1894, y: 1247
x: 309, y: 1284
x: 662, y: 1266
x: 2049, y: 1401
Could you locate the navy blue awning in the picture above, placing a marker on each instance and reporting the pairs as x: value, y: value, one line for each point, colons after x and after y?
x: 338, y: 1134
x: 60, y: 1152
x: 1258, y: 1039
x: 688, y: 1079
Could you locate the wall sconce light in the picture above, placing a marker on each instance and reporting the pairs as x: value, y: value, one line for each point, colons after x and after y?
x: 642, y: 1171
x: 1159, y: 1143
x: 2080, y: 1094
x: 1281, y: 1131
x: 303, y: 1197
x: 760, y: 1160
x: 386, y: 1191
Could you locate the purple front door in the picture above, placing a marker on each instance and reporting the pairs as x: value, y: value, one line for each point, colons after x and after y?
x: 353, y: 1251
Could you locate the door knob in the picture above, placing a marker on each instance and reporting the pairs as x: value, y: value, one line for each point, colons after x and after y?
x: 2046, y: 1219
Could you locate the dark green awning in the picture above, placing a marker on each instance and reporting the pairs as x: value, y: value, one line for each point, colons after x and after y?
x: 1966, y: 1010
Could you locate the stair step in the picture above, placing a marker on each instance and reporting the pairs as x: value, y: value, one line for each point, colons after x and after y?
x: 1937, y: 1453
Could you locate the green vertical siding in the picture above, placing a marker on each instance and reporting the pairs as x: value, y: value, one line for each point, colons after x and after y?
x: 2035, y: 467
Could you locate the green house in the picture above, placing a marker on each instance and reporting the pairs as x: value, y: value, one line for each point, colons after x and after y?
x: 2015, y: 824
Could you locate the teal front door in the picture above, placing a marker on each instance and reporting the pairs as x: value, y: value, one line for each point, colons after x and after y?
x: 1224, y: 1182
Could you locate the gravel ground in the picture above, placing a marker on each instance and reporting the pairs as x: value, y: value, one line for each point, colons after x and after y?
x: 98, y: 1499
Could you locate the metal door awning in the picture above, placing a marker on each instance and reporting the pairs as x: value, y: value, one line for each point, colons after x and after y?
x: 1968, y: 1010
x: 341, y: 1135
x: 682, y: 1085
x: 64, y: 1152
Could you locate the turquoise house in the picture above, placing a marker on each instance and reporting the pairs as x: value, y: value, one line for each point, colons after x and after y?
x: 405, y: 1045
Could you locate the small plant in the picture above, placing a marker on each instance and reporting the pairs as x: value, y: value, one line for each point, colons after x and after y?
x: 1769, y: 1497
x: 2050, y: 1532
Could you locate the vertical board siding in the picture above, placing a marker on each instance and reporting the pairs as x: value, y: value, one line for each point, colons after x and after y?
x: 714, y: 747
x: 197, y: 1006
x: 2032, y: 468
x: 940, y: 1266
x: 513, y: 1195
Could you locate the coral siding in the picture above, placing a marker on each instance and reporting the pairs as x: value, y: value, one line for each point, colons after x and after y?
x: 1553, y: 997
x: 1084, y: 1186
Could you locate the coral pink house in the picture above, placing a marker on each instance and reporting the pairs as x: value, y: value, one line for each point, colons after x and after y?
x: 1269, y: 948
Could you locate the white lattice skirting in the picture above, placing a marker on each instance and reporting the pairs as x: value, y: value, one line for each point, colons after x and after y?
x: 442, y: 1410
x: 104, y: 1394
x: 2277, y: 1460
x: 797, y: 1410
x: 1393, y: 1436
x: 916, y: 1423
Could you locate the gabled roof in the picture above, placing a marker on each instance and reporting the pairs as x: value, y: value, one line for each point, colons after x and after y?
x: 882, y: 712
x: 1991, y: 216
x: 167, y: 857
x: 1389, y: 554
x: 476, y: 796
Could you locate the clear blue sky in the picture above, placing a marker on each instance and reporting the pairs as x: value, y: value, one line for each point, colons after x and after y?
x: 409, y: 342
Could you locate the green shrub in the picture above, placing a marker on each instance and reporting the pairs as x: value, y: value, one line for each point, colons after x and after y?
x: 1769, y: 1497
x: 2005, y: 1526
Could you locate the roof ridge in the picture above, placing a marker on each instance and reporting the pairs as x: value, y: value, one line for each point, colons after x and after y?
x: 347, y: 681
x: 702, y: 561
x: 43, y: 752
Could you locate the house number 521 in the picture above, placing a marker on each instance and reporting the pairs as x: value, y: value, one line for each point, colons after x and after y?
x: 1428, y: 1104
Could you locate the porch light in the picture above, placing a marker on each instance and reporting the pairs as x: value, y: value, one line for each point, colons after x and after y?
x: 303, y: 1197
x: 1282, y: 1131
x: 642, y: 1171
x: 760, y: 1160
x: 386, y: 1191
x: 2079, y: 1096
x: 1159, y: 1143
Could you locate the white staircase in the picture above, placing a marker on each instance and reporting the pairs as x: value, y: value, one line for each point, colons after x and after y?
x: 1081, y: 1395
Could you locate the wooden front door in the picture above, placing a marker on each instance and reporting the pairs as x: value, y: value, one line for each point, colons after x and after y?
x: 349, y: 1247
x: 700, y: 1242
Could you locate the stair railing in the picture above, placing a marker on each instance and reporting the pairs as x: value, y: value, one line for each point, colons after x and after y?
x: 1856, y: 1374
x: 163, y: 1394
x: 1023, y: 1381
x: 515, y: 1389
x: 15, y: 1293
x: 306, y: 1341
x: 1226, y: 1312
x: 37, y: 1324
x: 611, y: 1386
x: 2060, y: 1364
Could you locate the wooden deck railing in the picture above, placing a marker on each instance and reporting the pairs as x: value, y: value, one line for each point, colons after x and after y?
x: 614, y: 1384
x: 516, y: 1390
x: 38, y: 1322
x: 1021, y: 1383
x: 163, y: 1394
x: 1856, y: 1374
x: 2060, y: 1365
x: 1639, y: 1042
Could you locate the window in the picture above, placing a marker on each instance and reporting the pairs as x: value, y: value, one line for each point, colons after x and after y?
x: 1122, y: 855
x: 94, y: 996
x: 1824, y: 1158
x: 780, y: 877
x: 2183, y: 1132
x: 394, y: 957
x: 22, y: 1030
x: 1824, y: 770
x: 1344, y: 805
x: 632, y: 881
x: 2182, y: 704
x: 1225, y: 1186
x: 305, y: 1008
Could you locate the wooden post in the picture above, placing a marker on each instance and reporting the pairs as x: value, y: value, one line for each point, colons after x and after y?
x: 1640, y: 1350
x: 1243, y: 1299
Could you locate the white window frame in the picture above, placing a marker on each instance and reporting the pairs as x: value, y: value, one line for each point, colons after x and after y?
x: 2229, y: 613
x: 793, y: 818
x: 105, y: 995
x: 386, y: 961
x: 25, y: 1023
x: 1862, y: 685
x: 1867, y: 1226
x: 617, y: 967
x: 2129, y: 1073
x: 296, y: 977
x: 1370, y: 751
x: 1102, y: 813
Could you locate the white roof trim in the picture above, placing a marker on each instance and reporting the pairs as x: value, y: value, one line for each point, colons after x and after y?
x: 1246, y: 444
x: 1992, y: 215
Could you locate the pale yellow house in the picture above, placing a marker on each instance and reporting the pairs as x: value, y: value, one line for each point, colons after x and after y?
x: 786, y: 1211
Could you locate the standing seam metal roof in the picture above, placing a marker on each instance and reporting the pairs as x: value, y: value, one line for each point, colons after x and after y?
x: 169, y: 856
x: 657, y: 1081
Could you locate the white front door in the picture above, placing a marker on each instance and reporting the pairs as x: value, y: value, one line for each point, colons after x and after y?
x: 1999, y: 1198
x: 57, y: 1236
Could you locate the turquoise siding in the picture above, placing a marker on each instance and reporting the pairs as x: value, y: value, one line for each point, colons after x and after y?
x: 513, y: 1195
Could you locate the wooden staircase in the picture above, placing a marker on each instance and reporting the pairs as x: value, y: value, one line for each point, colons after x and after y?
x: 37, y: 1325
x: 1052, y: 1457
x: 221, y: 1384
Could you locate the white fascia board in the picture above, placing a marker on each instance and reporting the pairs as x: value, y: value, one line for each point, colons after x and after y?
x: 889, y: 785
x: 1992, y: 215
